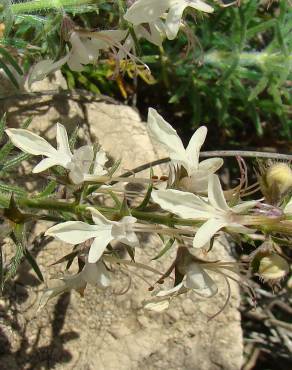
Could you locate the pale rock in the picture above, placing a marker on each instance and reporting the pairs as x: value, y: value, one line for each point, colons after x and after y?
x: 105, y: 331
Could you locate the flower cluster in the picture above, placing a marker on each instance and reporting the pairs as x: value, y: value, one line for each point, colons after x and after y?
x: 151, y: 20
x: 187, y: 208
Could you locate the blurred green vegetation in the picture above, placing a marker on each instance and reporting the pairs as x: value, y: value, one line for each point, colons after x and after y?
x: 235, y: 77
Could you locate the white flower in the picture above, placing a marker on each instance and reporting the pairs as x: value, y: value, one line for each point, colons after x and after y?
x: 213, y: 210
x: 103, y: 232
x: 85, y: 50
x: 78, y: 163
x: 92, y: 273
x: 196, y: 279
x: 147, y: 11
x: 154, y: 34
x: 198, y: 172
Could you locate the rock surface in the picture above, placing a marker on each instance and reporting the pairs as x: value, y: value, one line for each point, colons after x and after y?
x: 105, y: 330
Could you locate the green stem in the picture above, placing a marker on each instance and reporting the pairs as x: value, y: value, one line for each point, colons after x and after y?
x: 221, y: 58
x: 37, y: 5
x: 260, y: 222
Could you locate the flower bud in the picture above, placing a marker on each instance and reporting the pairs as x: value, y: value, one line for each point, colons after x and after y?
x: 279, y: 175
x: 273, y: 267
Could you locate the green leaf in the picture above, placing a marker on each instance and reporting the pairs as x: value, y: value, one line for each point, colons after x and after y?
x: 9, y: 73
x: 167, y: 246
x: 124, y: 209
x: 147, y: 197
x: 48, y: 190
x: 2, y: 125
x: 33, y: 264
x: 11, y: 60
x: 115, y: 199
x: 6, y: 149
x: 6, y: 188
x: 15, y: 161
x: 1, y: 268
x: 73, y: 138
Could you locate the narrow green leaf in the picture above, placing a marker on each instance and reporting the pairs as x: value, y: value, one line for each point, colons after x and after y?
x: 2, y: 125
x: 6, y: 188
x: 1, y: 268
x: 146, y: 199
x: 15, y: 161
x: 124, y: 210
x: 48, y: 190
x: 68, y: 257
x: 31, y: 260
x: 9, y: 73
x: 11, y: 60
x: 167, y: 246
x: 115, y: 199
x: 6, y: 149
x: 73, y: 138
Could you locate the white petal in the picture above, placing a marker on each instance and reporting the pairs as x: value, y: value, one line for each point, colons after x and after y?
x: 173, y: 19
x: 82, y: 158
x: 99, y: 245
x: 30, y: 143
x: 45, y: 164
x: 194, y: 147
x: 78, y: 51
x: 163, y: 133
x: 100, y: 161
x: 216, y: 195
x: 40, y: 70
x: 207, y: 231
x: 183, y: 204
x: 73, y: 232
x: 96, y: 274
x: 62, y: 141
x: 198, y: 280
x: 200, y: 5
x: 244, y: 206
x: 98, y: 218
x: 211, y: 165
x: 144, y: 11
x: 197, y: 183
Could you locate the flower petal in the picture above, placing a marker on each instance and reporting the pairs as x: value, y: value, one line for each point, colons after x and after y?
x: 96, y: 274
x: 244, y: 206
x: 45, y: 164
x: 73, y: 232
x: 194, y: 147
x: 98, y: 218
x: 80, y: 163
x: 62, y: 141
x: 200, y: 5
x: 207, y: 231
x: 216, y: 195
x: 99, y: 245
x: 211, y: 165
x: 183, y: 204
x: 173, y: 19
x: 163, y: 133
x: 30, y: 143
x: 198, y: 280
x: 40, y: 70
x: 100, y: 161
x: 144, y: 11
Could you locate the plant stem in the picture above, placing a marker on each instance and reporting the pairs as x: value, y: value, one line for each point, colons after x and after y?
x: 37, y: 5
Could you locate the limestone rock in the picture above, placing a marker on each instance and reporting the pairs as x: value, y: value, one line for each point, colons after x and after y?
x: 104, y: 330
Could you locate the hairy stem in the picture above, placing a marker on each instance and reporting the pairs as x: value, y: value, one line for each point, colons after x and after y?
x: 37, y: 5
